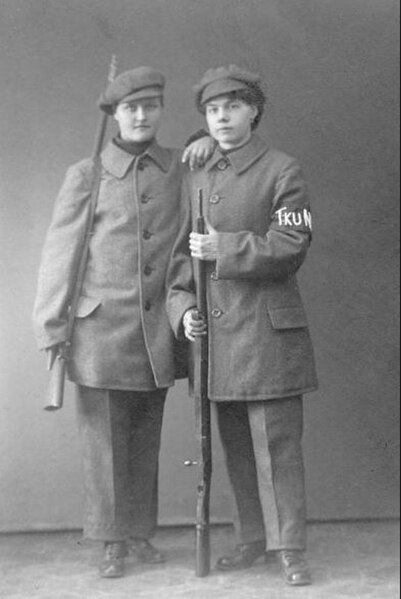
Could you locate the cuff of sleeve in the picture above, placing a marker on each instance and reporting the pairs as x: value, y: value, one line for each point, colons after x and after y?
x: 46, y: 340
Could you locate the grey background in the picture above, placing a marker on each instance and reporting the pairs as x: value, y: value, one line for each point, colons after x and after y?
x: 331, y: 69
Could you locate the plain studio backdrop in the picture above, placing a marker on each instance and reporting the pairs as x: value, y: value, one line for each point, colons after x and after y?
x: 330, y: 68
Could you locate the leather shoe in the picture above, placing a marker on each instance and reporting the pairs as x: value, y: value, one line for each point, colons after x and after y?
x: 112, y: 564
x: 294, y: 567
x: 145, y: 552
x: 243, y: 557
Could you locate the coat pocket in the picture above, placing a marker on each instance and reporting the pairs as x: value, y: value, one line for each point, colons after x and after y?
x: 292, y: 317
x: 86, y: 306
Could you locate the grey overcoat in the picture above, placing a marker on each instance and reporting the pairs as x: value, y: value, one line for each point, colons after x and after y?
x: 121, y: 325
x: 259, y: 344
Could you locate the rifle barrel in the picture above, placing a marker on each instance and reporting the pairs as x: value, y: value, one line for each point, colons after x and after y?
x: 55, y: 392
x: 102, y: 122
x: 203, y: 418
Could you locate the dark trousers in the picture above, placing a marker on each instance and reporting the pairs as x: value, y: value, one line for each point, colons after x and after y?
x: 120, y: 434
x: 262, y: 444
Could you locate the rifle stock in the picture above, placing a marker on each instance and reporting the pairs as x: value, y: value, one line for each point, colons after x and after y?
x: 203, y: 419
x: 55, y: 391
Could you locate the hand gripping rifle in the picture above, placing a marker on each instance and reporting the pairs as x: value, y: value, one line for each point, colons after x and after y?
x: 55, y: 392
x: 203, y: 418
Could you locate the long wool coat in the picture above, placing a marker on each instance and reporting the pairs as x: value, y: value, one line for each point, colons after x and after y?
x: 122, y: 338
x: 259, y: 344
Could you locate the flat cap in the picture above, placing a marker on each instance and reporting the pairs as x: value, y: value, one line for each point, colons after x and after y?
x: 223, y: 80
x: 142, y: 82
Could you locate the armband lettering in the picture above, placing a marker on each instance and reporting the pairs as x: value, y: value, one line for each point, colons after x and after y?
x: 295, y: 219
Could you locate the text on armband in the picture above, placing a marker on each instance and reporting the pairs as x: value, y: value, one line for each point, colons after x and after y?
x: 295, y: 218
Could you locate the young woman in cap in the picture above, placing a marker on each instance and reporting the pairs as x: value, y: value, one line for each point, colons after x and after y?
x: 260, y: 353
x: 122, y: 347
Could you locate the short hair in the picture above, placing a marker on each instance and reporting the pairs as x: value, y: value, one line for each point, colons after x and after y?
x: 255, y: 96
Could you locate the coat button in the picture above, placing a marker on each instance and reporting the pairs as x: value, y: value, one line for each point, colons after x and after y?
x: 214, y: 199
x: 145, y: 199
x: 148, y: 306
x: 141, y: 165
x: 148, y: 270
x: 214, y: 276
x: 216, y: 313
x: 147, y: 234
x: 222, y: 164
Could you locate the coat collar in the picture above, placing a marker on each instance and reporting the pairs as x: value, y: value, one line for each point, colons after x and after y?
x: 241, y: 159
x: 118, y: 162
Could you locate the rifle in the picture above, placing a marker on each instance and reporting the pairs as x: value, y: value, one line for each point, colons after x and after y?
x: 203, y: 418
x: 55, y: 391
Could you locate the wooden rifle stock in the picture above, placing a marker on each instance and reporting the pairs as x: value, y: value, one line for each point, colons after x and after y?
x: 203, y: 419
x: 55, y: 389
x: 55, y: 392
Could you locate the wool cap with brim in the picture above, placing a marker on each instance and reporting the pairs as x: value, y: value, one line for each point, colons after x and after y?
x: 139, y: 83
x: 221, y: 81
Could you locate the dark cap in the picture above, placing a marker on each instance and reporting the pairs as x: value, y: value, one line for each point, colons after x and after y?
x: 221, y: 81
x: 143, y: 82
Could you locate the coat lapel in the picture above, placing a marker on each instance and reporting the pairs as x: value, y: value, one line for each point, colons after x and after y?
x: 117, y: 162
x: 161, y: 156
x: 243, y: 158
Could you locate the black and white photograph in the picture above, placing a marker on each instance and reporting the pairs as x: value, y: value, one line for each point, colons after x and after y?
x: 199, y: 299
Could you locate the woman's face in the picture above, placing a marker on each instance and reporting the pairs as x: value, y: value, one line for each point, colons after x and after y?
x: 139, y: 120
x: 230, y: 121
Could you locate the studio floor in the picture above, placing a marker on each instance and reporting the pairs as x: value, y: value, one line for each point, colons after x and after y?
x: 358, y: 560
